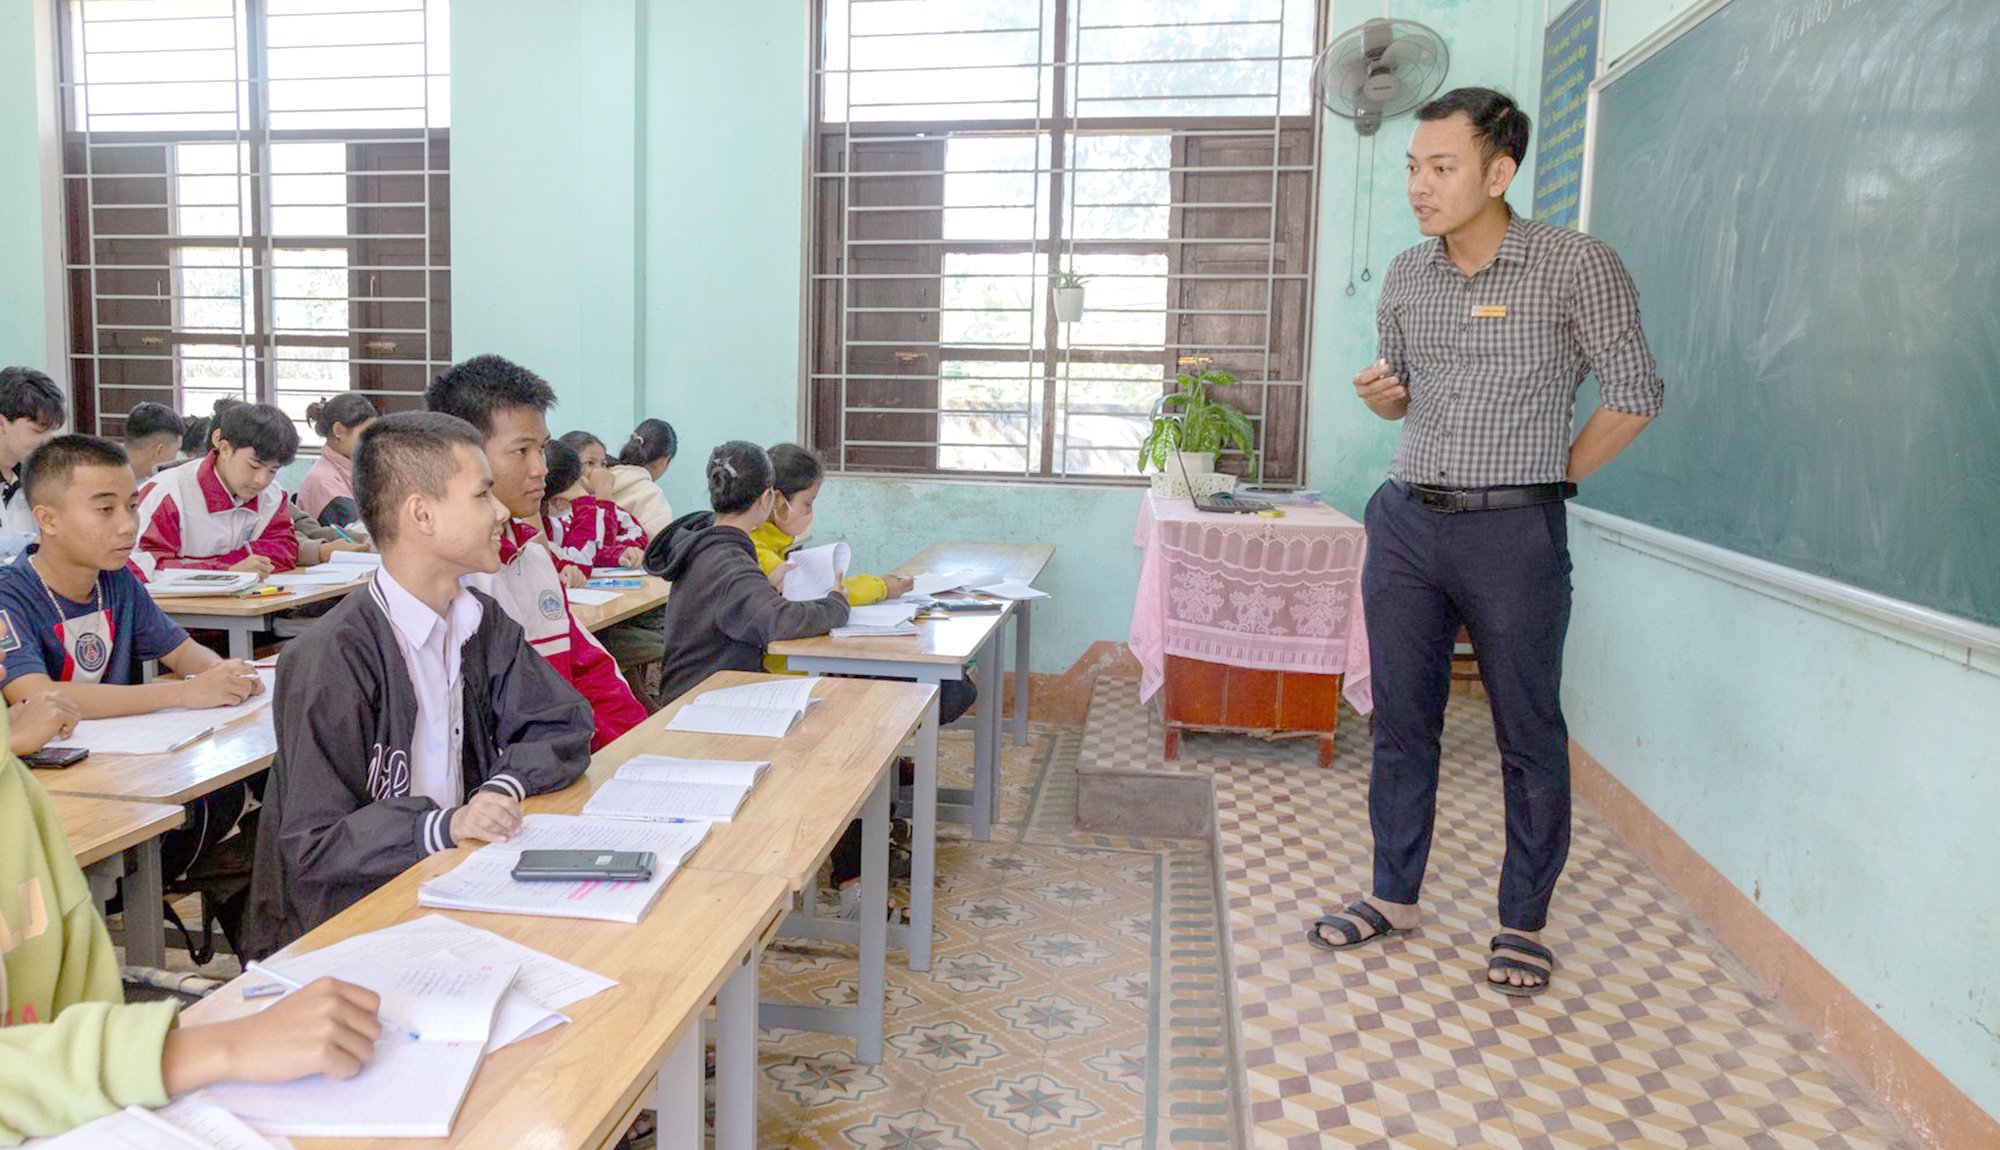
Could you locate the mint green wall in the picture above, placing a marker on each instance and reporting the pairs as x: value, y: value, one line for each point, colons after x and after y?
x: 24, y: 311
x: 1843, y: 780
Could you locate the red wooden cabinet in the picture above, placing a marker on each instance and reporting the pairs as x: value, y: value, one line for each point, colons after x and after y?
x: 1200, y: 696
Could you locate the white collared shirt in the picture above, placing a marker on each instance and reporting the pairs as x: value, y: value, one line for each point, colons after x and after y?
x: 432, y: 645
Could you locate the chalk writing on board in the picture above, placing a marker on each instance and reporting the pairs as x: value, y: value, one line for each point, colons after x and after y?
x: 1569, y: 64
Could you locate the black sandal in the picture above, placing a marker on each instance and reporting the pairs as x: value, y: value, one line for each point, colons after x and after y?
x: 1500, y: 962
x: 1360, y: 909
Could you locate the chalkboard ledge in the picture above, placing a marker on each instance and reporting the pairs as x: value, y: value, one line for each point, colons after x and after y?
x: 1972, y: 645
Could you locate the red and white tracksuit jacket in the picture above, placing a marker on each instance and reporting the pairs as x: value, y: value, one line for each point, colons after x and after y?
x: 187, y: 518
x: 593, y: 533
x: 532, y: 593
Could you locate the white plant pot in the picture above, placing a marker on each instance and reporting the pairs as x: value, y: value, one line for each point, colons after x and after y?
x: 1192, y: 462
x: 1069, y: 304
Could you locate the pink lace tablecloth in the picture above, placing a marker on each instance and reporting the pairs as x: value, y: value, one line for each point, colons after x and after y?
x: 1269, y: 594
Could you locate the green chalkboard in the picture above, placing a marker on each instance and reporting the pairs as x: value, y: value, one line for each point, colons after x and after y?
x: 1807, y: 193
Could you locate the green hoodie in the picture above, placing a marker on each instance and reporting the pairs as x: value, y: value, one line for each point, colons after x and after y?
x: 71, y: 1050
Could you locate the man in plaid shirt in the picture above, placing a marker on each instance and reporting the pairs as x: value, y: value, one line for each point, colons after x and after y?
x: 1485, y: 333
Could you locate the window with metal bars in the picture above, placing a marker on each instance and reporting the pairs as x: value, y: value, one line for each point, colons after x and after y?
x: 256, y: 199
x: 966, y: 152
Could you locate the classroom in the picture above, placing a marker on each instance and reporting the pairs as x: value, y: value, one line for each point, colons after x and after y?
x: 866, y: 574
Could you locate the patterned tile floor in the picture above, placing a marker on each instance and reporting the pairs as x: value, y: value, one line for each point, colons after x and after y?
x: 1074, y: 999
x: 1650, y: 1037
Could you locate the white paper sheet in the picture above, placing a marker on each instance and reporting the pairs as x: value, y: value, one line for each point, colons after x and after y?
x: 368, y: 559
x: 324, y: 575
x: 793, y: 693
x: 881, y: 614
x: 590, y: 596
x: 754, y: 722
x: 816, y: 571
x: 408, y: 1090
x: 668, y: 768
x: 192, y: 1123
x: 160, y: 731
x: 666, y: 801
x: 485, y: 881
x: 932, y: 582
x: 1012, y: 590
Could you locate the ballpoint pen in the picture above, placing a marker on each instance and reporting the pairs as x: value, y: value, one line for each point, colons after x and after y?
x: 197, y: 737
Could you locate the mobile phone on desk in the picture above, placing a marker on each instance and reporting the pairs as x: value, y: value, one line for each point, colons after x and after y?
x: 579, y: 866
x: 56, y: 758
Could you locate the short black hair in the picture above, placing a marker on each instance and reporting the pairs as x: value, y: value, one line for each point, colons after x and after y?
x: 1498, y: 123
x: 794, y: 468
x: 578, y: 440
x: 347, y: 409
x: 652, y: 440
x: 261, y: 428
x: 479, y: 387
x: 410, y: 451
x: 194, y: 434
x: 29, y: 394
x: 49, y: 469
x: 565, y: 468
x: 739, y: 473
x: 148, y: 419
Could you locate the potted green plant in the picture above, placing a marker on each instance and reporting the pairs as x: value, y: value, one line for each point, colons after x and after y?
x: 1069, y: 295
x: 1183, y: 442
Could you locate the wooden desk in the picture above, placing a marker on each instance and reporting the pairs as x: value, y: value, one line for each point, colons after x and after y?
x: 243, y: 618
x: 1020, y: 562
x: 236, y: 752
x: 577, y: 1086
x: 938, y: 652
x: 831, y: 767
x: 100, y: 832
x: 631, y: 601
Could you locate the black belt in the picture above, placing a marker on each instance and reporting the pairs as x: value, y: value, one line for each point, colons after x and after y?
x: 1451, y: 499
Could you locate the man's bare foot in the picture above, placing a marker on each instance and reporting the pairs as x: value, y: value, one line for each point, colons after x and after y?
x: 1401, y: 917
x: 1505, y: 968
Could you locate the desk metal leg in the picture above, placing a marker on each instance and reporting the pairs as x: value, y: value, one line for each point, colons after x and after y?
x: 874, y: 980
x: 736, y: 1061
x: 677, y: 1093
x: 145, y: 926
x: 1022, y: 611
x: 240, y: 646
x: 923, y: 842
x: 986, y: 745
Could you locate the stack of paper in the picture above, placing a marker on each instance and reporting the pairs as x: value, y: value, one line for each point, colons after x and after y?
x: 879, y: 619
x: 176, y: 582
x: 417, y: 1080
x: 168, y: 730
x: 816, y: 571
x: 485, y: 880
x: 366, y: 560
x: 932, y: 582
x: 324, y: 575
x: 658, y: 789
x: 765, y: 710
x: 193, y: 1123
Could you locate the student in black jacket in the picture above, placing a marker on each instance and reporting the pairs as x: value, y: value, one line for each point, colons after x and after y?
x: 413, y: 715
x: 724, y: 609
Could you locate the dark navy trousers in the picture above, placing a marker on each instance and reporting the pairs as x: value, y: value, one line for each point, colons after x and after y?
x: 1504, y: 576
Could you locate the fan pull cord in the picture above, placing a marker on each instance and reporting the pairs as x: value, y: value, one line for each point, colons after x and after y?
x: 1354, y: 219
x: 1368, y: 245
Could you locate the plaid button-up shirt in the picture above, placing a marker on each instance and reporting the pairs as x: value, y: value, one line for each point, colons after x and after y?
x: 1492, y: 360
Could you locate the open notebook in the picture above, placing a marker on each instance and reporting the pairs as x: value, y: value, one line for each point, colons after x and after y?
x: 893, y: 618
x: 189, y: 1124
x: 485, y: 880
x: 413, y: 1086
x: 768, y: 710
x: 816, y: 571
x: 659, y: 789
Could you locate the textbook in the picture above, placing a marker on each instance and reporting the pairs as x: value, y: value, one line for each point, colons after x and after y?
x: 485, y: 880
x: 897, y: 618
x: 660, y: 789
x: 816, y: 571
x: 764, y: 710
x: 670, y: 769
x: 437, y: 1016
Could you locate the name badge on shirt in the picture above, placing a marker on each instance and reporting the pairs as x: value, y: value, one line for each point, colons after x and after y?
x: 1490, y: 311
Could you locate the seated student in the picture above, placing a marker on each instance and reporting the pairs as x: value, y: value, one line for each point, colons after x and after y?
x: 412, y: 716
x: 223, y: 511
x: 72, y: 1048
x: 633, y: 480
x: 152, y: 437
x: 327, y: 491
x: 725, y: 610
x: 31, y: 409
x: 194, y: 435
x: 508, y: 404
x: 585, y: 532
x: 798, y: 474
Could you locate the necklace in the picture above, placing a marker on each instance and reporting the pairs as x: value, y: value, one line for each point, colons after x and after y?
x: 96, y: 591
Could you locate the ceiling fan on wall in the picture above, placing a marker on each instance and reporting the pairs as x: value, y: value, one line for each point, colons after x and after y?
x: 1375, y: 71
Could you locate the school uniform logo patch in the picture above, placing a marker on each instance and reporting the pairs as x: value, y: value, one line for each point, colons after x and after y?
x: 92, y: 652
x: 10, y: 640
x: 551, y: 605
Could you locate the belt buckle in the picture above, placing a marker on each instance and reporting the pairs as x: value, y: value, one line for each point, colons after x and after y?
x: 1443, y: 500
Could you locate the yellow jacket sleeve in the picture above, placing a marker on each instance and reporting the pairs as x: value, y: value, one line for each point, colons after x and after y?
x: 865, y: 589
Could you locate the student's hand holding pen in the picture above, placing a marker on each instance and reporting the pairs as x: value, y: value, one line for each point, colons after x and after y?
x: 329, y: 1028
x: 225, y: 684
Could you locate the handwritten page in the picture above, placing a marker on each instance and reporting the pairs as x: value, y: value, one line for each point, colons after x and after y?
x: 792, y: 693
x: 485, y: 880
x: 155, y: 733
x: 816, y: 571
x: 668, y: 769
x: 590, y: 596
x: 192, y: 1123
x: 545, y: 978
x: 408, y: 1090
x: 661, y: 801
x: 755, y: 722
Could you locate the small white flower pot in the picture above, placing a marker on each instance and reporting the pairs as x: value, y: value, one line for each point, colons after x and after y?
x: 1192, y: 463
x: 1069, y: 304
